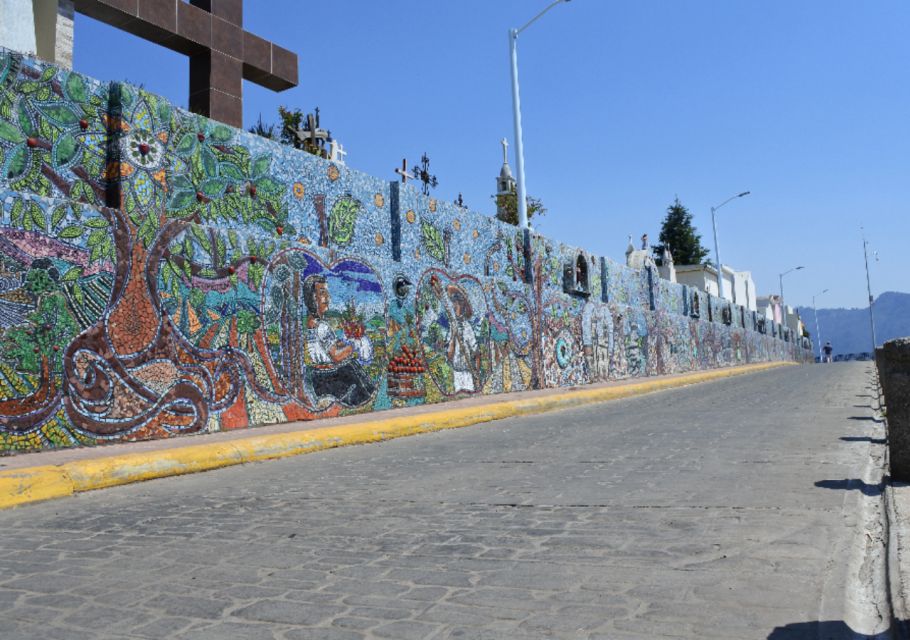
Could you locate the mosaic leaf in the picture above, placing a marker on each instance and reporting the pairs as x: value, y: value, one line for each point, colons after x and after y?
x: 433, y: 241
x: 75, y: 88
x: 59, y: 113
x: 15, y: 214
x: 72, y: 274
x: 71, y: 232
x: 64, y: 149
x: 214, y: 187
x: 221, y: 134
x: 25, y: 120
x: 10, y: 133
x: 28, y: 87
x: 95, y: 238
x: 186, y: 144
x: 269, y: 187
x: 209, y: 165
x: 230, y: 170
x: 39, y: 218
x: 260, y: 166
x: 182, y: 199
x: 342, y: 219
x: 18, y: 162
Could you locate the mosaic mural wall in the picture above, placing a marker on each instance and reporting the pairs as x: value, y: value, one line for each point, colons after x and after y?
x: 163, y: 274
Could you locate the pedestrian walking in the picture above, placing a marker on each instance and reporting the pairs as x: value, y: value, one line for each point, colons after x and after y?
x: 827, y: 349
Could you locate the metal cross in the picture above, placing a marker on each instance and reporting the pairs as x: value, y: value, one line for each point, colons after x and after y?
x: 403, y: 172
x: 422, y: 173
x: 211, y: 33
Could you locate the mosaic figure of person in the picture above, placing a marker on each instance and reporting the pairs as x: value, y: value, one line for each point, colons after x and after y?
x: 335, y: 370
x: 462, y: 352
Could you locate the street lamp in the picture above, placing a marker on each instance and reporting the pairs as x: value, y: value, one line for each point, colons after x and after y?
x: 720, y: 269
x: 783, y: 309
x: 818, y: 333
x: 868, y: 286
x: 516, y: 113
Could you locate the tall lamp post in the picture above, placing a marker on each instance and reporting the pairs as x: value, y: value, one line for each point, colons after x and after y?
x: 516, y: 113
x: 783, y: 309
x: 818, y: 333
x: 868, y: 287
x: 720, y: 267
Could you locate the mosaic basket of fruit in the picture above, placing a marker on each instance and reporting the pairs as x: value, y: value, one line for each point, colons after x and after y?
x: 404, y: 371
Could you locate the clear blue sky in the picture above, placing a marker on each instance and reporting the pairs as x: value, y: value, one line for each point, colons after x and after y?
x: 626, y: 104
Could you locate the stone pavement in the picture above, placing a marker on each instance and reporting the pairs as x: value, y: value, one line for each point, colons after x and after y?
x: 724, y: 510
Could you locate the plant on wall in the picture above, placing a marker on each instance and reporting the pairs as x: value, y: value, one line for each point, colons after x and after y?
x: 507, y: 207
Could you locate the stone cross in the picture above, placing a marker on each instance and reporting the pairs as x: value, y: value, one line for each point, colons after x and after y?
x: 210, y: 32
x: 336, y: 151
x: 505, y: 151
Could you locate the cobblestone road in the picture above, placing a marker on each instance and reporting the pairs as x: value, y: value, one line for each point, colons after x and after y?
x: 691, y: 513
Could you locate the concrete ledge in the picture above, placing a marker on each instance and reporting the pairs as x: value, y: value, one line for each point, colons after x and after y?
x: 33, y: 484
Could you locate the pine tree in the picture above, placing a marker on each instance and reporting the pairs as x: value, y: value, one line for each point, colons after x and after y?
x: 677, y: 232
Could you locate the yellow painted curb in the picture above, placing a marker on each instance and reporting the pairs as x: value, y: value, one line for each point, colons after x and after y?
x: 33, y: 485
x: 42, y: 483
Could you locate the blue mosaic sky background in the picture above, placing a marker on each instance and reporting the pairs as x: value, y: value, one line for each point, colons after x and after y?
x: 626, y: 104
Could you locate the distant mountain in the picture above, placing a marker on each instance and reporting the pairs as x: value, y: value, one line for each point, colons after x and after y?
x: 848, y: 329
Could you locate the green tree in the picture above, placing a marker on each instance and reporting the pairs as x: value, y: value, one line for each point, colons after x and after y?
x: 507, y: 207
x: 678, y: 232
x: 263, y: 129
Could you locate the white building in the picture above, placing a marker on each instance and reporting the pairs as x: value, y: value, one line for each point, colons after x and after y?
x: 42, y: 28
x: 739, y: 287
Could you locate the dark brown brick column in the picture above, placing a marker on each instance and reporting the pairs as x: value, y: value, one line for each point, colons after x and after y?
x: 216, y: 72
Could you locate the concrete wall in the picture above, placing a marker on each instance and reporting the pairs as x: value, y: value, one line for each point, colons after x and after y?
x: 163, y: 274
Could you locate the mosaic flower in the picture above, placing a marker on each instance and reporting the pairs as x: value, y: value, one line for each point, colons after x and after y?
x: 143, y: 149
x: 298, y: 190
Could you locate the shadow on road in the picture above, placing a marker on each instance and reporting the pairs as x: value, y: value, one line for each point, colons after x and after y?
x: 864, y: 439
x: 854, y: 484
x: 827, y: 630
x: 869, y: 418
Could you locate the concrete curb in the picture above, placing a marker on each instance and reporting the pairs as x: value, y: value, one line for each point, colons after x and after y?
x: 34, y: 484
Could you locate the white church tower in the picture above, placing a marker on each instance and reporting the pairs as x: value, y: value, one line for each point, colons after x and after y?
x: 505, y: 183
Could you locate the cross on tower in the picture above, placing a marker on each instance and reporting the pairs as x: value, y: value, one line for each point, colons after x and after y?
x: 505, y: 151
x: 211, y: 33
